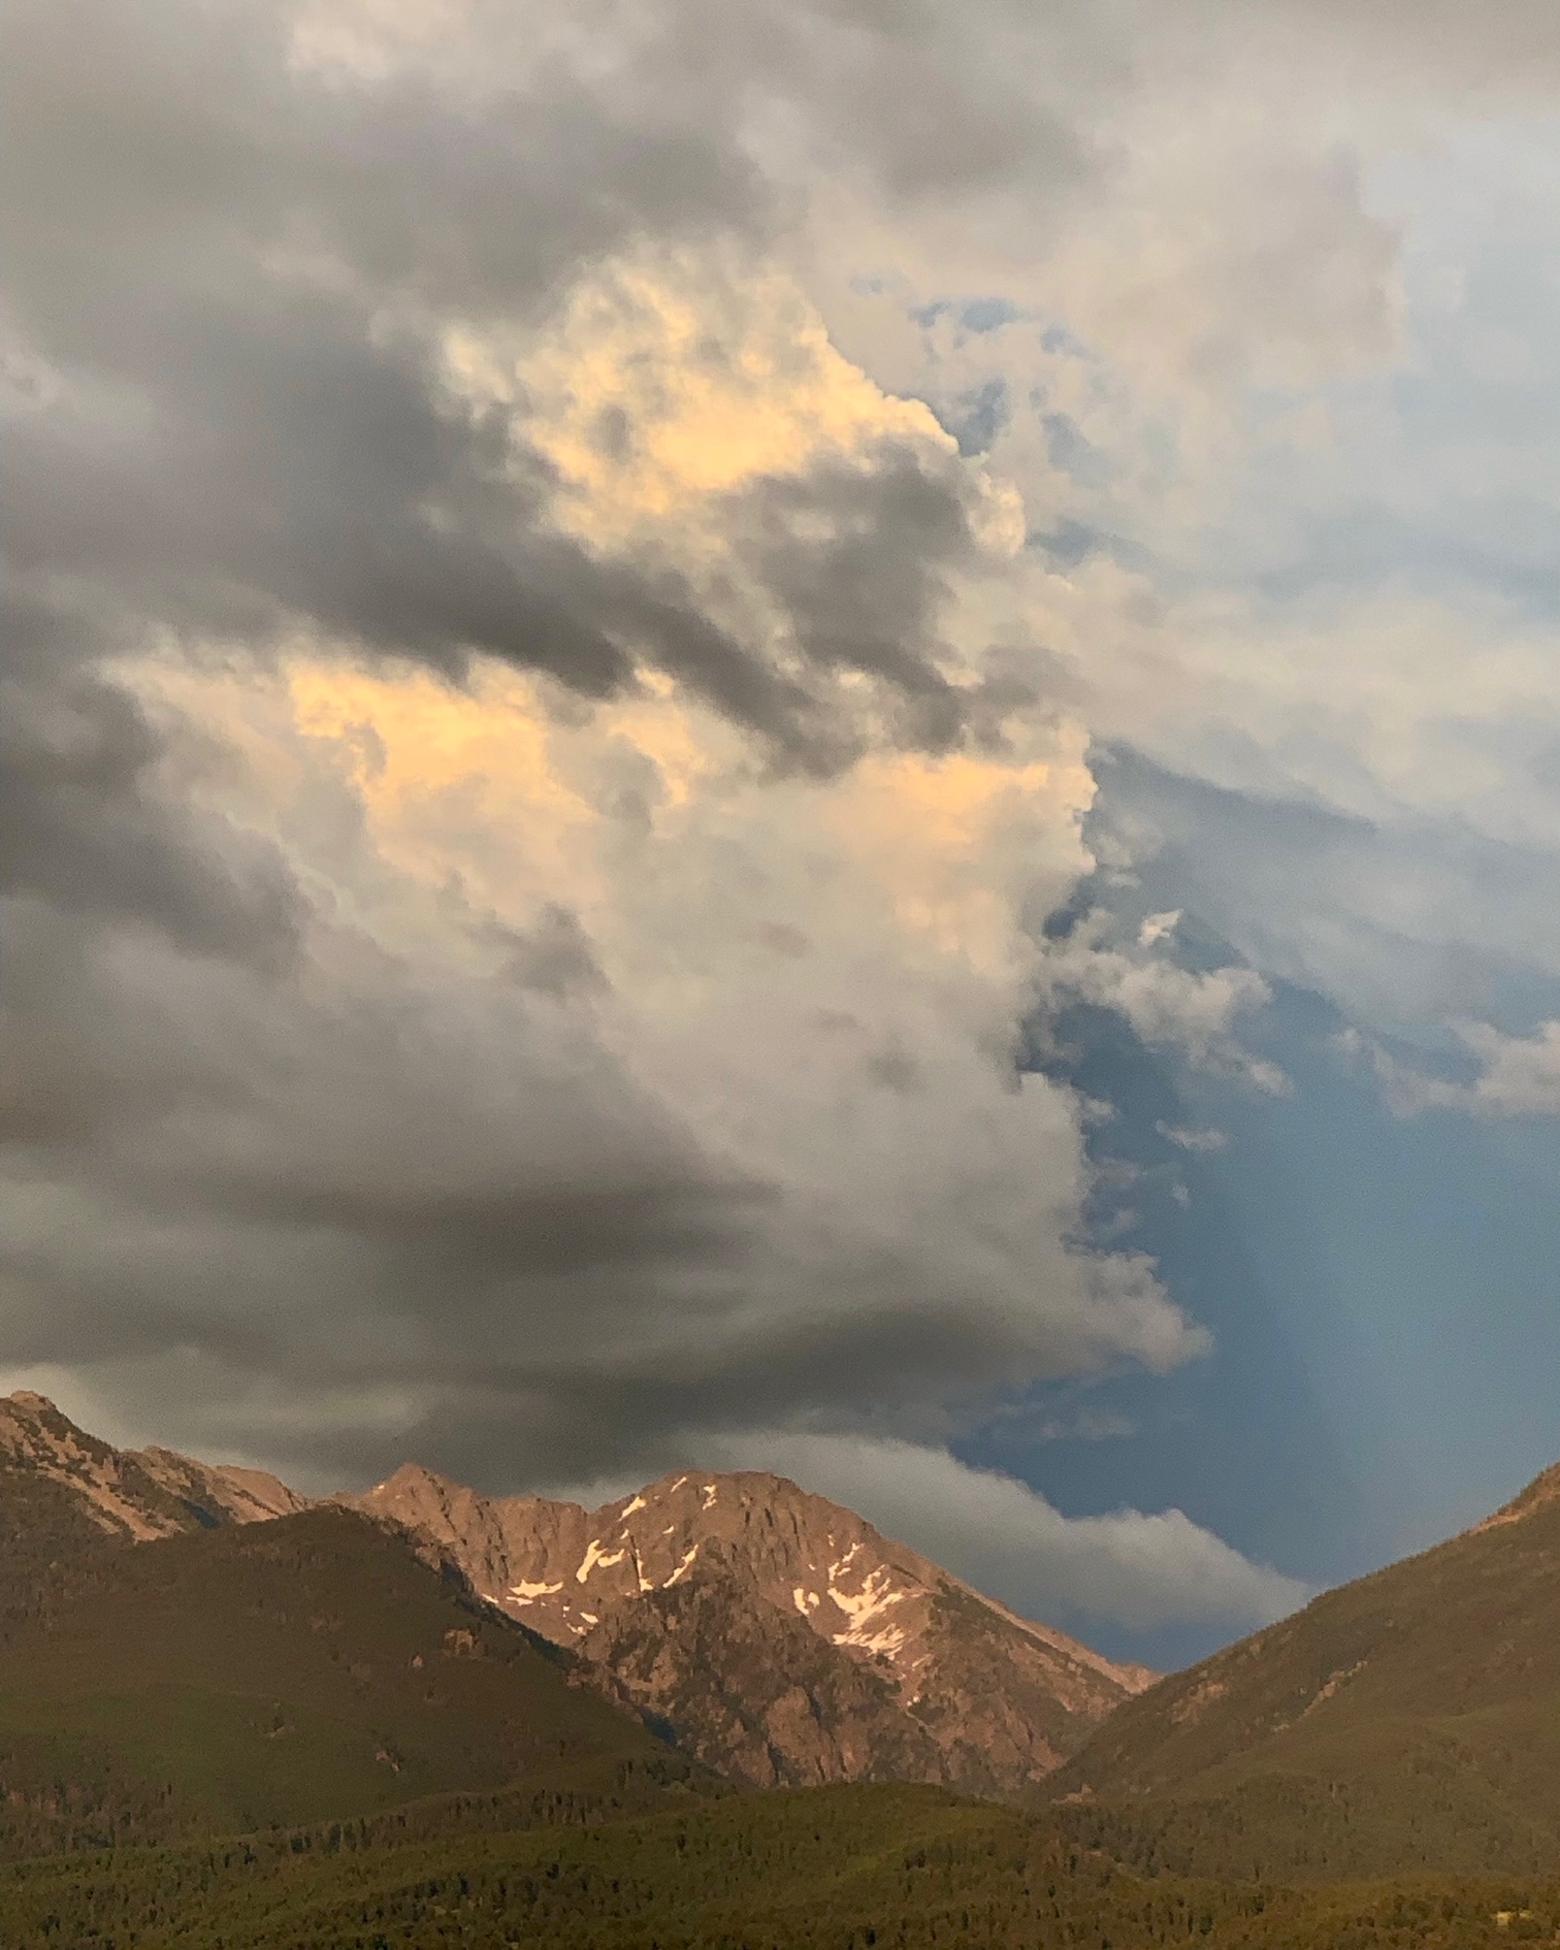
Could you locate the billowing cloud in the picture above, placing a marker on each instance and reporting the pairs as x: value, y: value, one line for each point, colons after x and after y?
x: 579, y: 599
x: 622, y: 1092
x: 576, y: 677
x: 1196, y: 1012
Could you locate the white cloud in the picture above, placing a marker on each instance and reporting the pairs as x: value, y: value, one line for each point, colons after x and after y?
x: 1518, y: 1076
x: 1158, y: 927
x: 1194, y: 1012
x: 1135, y: 1568
x: 632, y: 1086
x: 1190, y: 1137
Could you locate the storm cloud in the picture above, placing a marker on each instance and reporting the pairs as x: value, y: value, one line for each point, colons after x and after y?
x: 533, y: 772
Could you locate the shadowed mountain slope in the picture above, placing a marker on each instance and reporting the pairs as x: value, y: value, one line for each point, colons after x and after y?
x: 315, y: 1666
x: 1411, y: 1719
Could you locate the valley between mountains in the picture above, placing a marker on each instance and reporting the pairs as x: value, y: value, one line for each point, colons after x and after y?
x: 721, y: 1711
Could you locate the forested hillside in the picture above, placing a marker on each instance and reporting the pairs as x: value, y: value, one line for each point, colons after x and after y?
x: 1410, y: 1720
x: 857, y: 1868
x: 292, y: 1671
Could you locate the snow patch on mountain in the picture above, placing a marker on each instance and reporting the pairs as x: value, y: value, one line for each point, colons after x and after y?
x: 595, y: 1555
x: 525, y: 1593
x: 684, y: 1566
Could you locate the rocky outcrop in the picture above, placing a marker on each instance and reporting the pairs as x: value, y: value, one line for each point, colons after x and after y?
x: 730, y: 1675
x: 129, y: 1494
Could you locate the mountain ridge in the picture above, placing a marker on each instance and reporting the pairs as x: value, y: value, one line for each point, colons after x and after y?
x: 772, y: 1634
x: 136, y: 1493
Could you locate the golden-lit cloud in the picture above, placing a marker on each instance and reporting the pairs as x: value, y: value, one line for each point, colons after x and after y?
x: 664, y: 383
x: 660, y: 384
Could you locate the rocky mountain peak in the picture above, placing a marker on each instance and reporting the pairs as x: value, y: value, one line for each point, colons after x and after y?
x: 25, y: 1402
x: 983, y: 1697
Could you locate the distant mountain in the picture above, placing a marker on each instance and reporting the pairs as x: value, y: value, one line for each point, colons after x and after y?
x: 780, y: 1637
x: 316, y: 1666
x: 1410, y: 1720
x: 133, y: 1493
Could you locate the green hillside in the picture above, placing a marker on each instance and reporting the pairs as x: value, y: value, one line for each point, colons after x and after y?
x: 43, y: 1525
x: 857, y: 1868
x: 49, y: 1519
x: 286, y: 1672
x: 1410, y: 1720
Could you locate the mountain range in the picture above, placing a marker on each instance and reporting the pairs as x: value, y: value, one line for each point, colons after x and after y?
x: 771, y: 1634
x: 405, y: 1702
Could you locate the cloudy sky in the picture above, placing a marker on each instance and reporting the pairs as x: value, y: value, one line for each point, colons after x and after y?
x: 822, y: 738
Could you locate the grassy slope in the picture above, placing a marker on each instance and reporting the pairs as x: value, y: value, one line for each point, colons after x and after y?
x: 288, y: 1672
x: 1409, y: 1720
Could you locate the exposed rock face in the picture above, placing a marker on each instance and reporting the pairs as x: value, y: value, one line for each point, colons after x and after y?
x: 781, y: 1637
x: 62, y: 1488
x: 733, y: 1675
x: 219, y: 1493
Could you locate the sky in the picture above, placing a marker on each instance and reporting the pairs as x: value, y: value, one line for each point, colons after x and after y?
x: 822, y: 739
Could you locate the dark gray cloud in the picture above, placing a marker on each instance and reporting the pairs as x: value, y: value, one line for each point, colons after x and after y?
x: 79, y: 830
x: 455, y: 1198
x: 234, y: 267
x: 866, y: 597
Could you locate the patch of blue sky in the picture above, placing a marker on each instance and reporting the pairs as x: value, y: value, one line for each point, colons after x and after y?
x: 977, y: 417
x: 1382, y: 1292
